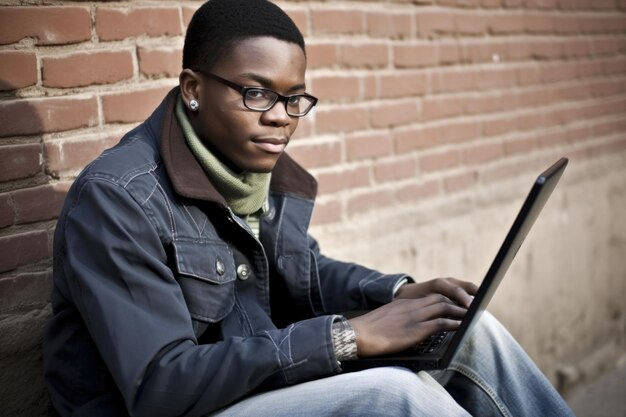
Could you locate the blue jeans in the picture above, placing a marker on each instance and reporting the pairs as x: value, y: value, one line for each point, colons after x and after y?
x: 490, y: 376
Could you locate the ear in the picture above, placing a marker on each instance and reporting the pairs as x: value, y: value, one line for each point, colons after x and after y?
x: 190, y: 86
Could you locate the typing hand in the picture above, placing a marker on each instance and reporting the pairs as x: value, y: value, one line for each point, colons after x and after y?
x: 418, y: 311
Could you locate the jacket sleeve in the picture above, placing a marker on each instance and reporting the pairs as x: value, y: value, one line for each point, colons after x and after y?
x: 347, y: 286
x: 116, y: 274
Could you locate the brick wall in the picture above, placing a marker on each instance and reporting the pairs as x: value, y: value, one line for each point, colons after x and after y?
x: 422, y: 103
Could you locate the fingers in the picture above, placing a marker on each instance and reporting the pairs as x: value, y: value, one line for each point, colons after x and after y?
x: 461, y: 292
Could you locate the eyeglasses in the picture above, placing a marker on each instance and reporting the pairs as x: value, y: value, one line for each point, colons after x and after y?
x: 262, y: 99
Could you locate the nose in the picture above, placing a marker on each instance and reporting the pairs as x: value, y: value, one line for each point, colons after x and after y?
x: 277, y: 115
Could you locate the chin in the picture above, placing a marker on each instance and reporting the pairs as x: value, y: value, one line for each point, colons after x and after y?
x: 261, y: 167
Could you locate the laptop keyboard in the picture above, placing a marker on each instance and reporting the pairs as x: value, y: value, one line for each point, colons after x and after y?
x: 430, y: 344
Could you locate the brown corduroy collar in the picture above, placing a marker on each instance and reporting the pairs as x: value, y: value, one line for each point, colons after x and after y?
x: 189, y: 179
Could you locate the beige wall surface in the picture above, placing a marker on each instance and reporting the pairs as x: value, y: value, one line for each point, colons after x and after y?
x: 434, y: 118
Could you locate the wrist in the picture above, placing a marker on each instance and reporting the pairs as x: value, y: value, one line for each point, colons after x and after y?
x: 344, y: 340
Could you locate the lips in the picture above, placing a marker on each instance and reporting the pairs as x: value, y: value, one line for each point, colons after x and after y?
x: 271, y: 145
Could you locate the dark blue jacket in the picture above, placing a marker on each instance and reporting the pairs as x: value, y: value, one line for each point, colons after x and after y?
x: 161, y: 298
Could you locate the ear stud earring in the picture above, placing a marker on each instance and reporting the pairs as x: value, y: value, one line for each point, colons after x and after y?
x: 193, y: 105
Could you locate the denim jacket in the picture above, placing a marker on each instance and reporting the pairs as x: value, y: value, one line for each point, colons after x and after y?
x: 165, y: 303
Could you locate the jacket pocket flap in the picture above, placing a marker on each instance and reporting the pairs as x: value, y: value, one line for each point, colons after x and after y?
x: 210, y: 261
x: 207, y: 279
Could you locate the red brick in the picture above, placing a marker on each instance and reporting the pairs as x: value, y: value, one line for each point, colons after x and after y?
x: 347, y: 179
x: 495, y: 127
x: 317, y: 154
x: 484, y: 51
x: 82, y: 69
x: 19, y: 161
x: 415, y: 55
x: 133, y: 106
x: 394, y: 114
x: 603, y: 88
x: 482, y: 153
x: 547, y: 50
x: 118, y: 24
x: 394, y: 170
x: 488, y: 103
x: 559, y: 72
x: 305, y: 128
x: 160, y: 62
x: 528, y: 75
x: 470, y: 24
x: 596, y: 24
x: 300, y: 18
x: 334, y: 87
x: 7, y: 211
x: 615, y: 67
x: 461, y: 3
x: 365, y: 56
x: 552, y: 139
x: 606, y: 46
x: 429, y: 23
x: 440, y: 161
x: 322, y: 55
x: 341, y: 119
x: 450, y: 52
x: 519, y: 51
x: 412, y: 193
x: 23, y: 249
x: 35, y: 116
x: 607, y: 128
x: 574, y: 48
x: 446, y: 81
x: 589, y: 69
x: 519, y: 146
x: 540, y: 4
x: 368, y: 145
x: 72, y: 155
x: 188, y: 12
x: 416, y: 139
x: 442, y: 107
x: 506, y: 24
x: 512, y: 4
x: 39, y: 203
x: 387, y: 25
x: 457, y: 132
x: 30, y: 289
x: 337, y: 21
x: 491, y: 3
x: 48, y: 25
x: 458, y: 182
x: 326, y: 212
x: 17, y: 70
x: 369, y: 201
x: 401, y: 84
x: 566, y: 24
x: 497, y: 78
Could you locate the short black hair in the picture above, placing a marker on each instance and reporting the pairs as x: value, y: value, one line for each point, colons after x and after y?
x: 218, y: 24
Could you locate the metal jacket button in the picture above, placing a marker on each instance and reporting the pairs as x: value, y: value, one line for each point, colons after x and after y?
x: 243, y: 272
x: 219, y: 267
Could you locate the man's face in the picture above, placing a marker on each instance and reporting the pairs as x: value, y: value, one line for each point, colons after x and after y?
x: 249, y: 140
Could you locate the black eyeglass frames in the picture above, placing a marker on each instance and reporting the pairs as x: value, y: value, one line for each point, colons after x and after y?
x: 262, y: 99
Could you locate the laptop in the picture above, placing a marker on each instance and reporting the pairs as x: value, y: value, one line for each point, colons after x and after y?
x: 438, y: 350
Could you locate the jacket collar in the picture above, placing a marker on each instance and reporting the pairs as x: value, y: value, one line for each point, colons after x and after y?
x: 189, y: 179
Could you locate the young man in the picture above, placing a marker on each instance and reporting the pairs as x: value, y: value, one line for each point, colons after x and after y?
x: 185, y: 282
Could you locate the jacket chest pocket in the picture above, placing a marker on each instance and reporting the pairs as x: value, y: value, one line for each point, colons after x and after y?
x: 206, y: 275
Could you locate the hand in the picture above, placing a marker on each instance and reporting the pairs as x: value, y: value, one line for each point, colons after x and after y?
x: 461, y: 292
x: 418, y: 311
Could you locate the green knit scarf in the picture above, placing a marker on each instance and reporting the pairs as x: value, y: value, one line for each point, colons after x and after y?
x: 245, y: 192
